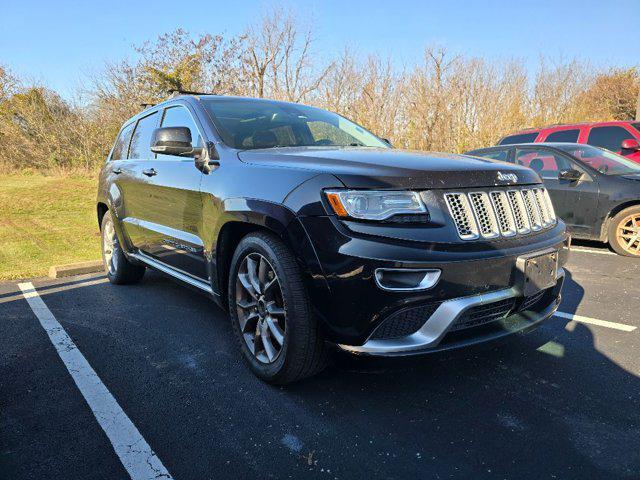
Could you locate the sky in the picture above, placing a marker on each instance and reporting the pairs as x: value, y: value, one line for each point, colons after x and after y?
x: 58, y: 43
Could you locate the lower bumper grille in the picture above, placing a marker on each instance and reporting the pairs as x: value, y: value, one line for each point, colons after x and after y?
x: 404, y: 322
x: 408, y: 321
x: 538, y: 301
x: 532, y: 300
x: 483, y: 314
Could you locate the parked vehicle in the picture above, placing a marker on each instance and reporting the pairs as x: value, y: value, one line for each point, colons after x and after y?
x: 596, y: 192
x: 313, y: 231
x: 619, y: 137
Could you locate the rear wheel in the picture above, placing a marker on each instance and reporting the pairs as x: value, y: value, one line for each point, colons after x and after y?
x: 118, y: 269
x: 624, y: 232
x: 270, y: 312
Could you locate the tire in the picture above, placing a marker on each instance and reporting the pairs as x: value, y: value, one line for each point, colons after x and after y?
x: 118, y: 269
x: 624, y: 232
x: 282, y: 311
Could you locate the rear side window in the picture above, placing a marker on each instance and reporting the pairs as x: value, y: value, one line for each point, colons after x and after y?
x: 570, y: 136
x: 608, y: 137
x: 121, y: 146
x: 141, y: 139
x: 502, y: 155
x: 521, y: 138
x: 636, y: 126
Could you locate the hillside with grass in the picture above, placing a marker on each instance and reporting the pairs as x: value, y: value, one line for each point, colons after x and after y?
x: 44, y: 221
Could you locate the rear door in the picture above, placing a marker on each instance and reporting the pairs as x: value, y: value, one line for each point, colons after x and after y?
x: 121, y: 177
x: 133, y: 183
x: 575, y: 202
x: 172, y: 203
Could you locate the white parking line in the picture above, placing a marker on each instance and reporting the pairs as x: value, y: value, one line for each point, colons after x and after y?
x: 589, y: 250
x: 132, y: 449
x: 595, y: 321
x: 62, y: 288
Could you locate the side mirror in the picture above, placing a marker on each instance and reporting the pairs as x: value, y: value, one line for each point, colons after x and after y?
x: 570, y: 175
x: 630, y: 144
x: 174, y: 141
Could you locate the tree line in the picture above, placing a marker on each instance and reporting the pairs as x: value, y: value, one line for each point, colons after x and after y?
x: 445, y: 102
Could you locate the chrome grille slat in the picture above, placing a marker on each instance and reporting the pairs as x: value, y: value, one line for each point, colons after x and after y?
x: 550, y: 208
x: 485, y: 216
x: 500, y: 212
x: 506, y: 219
x: 519, y: 211
x: 532, y: 210
x: 542, y: 207
x: 463, y: 217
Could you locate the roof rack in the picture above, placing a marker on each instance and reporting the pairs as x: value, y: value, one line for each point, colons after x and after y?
x: 178, y: 91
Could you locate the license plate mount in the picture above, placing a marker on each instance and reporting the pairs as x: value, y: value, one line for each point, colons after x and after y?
x: 539, y: 272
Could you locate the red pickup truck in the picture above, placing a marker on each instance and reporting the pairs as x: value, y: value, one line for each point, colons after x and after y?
x: 620, y: 137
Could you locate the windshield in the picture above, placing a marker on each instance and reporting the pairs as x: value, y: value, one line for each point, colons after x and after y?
x: 602, y: 160
x: 246, y: 123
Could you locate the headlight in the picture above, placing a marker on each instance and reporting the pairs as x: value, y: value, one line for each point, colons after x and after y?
x: 375, y: 205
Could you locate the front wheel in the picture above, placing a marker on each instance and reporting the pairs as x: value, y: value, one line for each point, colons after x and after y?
x: 271, y: 315
x: 624, y: 232
x: 118, y: 269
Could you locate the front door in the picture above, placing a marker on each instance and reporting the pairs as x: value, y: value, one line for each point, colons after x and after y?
x: 173, y: 206
x: 612, y: 136
x: 576, y: 203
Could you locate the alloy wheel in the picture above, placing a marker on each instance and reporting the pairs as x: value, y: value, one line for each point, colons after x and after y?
x: 109, y: 247
x: 628, y: 233
x: 260, y: 308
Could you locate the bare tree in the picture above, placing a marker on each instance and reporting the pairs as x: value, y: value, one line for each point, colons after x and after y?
x: 279, y: 61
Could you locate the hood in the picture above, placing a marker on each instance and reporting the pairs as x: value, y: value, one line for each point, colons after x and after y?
x: 390, y: 168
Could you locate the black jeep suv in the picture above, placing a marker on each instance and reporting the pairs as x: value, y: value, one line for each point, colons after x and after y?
x: 311, y: 231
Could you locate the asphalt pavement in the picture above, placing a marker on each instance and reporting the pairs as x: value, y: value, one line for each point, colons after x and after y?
x: 561, y: 402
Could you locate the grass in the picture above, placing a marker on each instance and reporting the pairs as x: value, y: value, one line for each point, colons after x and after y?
x: 46, y: 221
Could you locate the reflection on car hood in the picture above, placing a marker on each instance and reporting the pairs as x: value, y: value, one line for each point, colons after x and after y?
x: 390, y: 168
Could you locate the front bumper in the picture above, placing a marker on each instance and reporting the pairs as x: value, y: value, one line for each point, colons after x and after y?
x: 429, y: 338
x: 341, y: 265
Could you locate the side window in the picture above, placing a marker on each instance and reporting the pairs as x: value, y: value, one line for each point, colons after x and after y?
x: 546, y: 163
x: 502, y: 155
x: 122, y: 143
x: 141, y: 139
x: 608, y: 137
x: 520, y: 138
x: 181, y: 117
x: 570, y: 136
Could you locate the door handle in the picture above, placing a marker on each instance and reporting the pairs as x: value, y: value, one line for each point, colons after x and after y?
x: 117, y: 171
x: 150, y: 172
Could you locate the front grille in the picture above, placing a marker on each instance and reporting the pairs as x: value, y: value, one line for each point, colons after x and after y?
x: 404, y: 322
x: 505, y: 212
x: 483, y: 314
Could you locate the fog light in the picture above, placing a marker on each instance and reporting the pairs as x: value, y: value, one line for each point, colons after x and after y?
x: 406, y: 279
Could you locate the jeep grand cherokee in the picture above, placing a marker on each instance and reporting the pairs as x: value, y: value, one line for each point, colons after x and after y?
x: 313, y: 232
